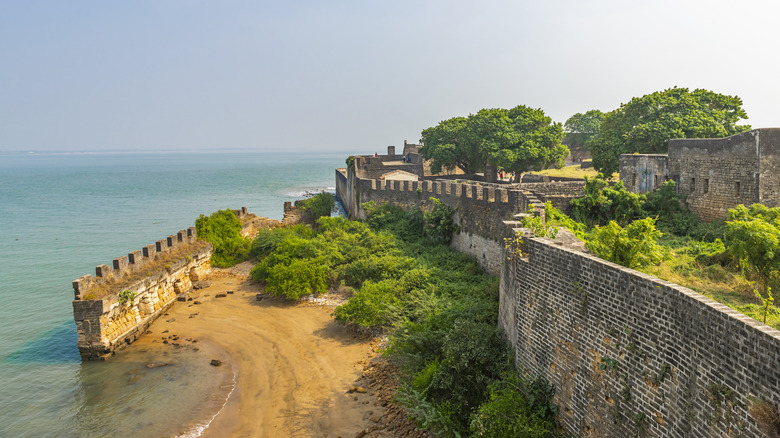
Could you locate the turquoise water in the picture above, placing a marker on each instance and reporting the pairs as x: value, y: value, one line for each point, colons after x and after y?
x: 63, y: 214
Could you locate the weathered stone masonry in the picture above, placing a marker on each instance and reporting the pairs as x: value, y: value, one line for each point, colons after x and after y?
x: 713, y: 174
x: 105, y: 324
x: 481, y: 208
x: 632, y: 355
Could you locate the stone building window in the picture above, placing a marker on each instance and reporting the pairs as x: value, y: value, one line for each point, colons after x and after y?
x: 633, y: 180
x: 736, y: 187
x: 706, y: 185
x: 693, y: 185
x: 655, y: 180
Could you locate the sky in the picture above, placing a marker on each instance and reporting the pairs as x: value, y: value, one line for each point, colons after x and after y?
x: 355, y: 75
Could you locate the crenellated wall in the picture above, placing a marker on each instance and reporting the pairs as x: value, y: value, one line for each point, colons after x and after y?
x: 117, y: 305
x: 632, y: 355
x: 480, y: 207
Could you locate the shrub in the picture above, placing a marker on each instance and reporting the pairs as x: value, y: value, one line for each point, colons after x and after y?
x: 268, y: 239
x: 319, y: 205
x: 223, y: 230
x: 754, y: 243
x: 517, y: 407
x: 369, y: 306
x: 473, y: 356
x: 634, y: 246
x: 602, y: 203
x: 438, y: 222
x: 553, y: 216
x: 296, y: 279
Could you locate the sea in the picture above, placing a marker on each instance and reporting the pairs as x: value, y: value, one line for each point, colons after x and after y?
x: 62, y: 214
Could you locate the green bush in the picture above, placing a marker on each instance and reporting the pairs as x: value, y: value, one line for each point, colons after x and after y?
x: 223, y: 230
x: 438, y: 224
x: 553, y: 216
x: 268, y: 239
x: 319, y: 205
x: 602, y: 203
x: 634, y: 246
x: 370, y: 306
x: 473, y: 356
x: 517, y: 407
x: 296, y: 279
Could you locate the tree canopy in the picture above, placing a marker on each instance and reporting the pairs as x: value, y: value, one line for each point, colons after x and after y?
x: 514, y: 139
x: 647, y: 123
x: 580, y: 128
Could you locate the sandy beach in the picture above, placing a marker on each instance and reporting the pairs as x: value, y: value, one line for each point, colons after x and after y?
x: 294, y: 364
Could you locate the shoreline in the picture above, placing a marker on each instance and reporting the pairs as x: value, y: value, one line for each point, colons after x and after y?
x: 293, y: 364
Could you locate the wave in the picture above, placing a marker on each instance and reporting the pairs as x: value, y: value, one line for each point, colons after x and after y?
x: 308, y: 192
x: 198, y: 429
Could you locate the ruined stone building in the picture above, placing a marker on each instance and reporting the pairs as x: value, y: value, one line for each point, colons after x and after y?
x: 713, y: 174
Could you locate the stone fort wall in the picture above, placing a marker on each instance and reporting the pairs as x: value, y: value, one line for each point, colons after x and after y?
x: 632, y: 355
x: 713, y: 174
x: 480, y: 207
x: 629, y: 354
x: 154, y: 276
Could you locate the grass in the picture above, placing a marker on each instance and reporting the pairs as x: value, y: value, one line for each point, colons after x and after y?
x: 114, y: 284
x: 574, y: 171
x: 722, y: 284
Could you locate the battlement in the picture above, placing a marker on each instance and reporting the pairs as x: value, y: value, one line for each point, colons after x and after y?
x: 134, y: 261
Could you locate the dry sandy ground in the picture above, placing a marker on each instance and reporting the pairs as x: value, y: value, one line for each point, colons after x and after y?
x: 294, y: 364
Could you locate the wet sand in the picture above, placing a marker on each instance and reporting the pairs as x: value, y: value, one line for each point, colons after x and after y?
x: 293, y: 363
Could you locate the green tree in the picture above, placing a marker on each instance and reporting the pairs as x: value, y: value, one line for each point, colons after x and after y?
x: 634, y: 246
x: 646, y: 124
x: 580, y: 128
x: 444, y: 146
x: 516, y: 139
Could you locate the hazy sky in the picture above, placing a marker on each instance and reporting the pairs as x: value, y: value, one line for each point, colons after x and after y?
x: 356, y: 75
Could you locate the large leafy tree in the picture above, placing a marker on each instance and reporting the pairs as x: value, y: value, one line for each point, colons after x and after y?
x: 646, y: 124
x: 514, y: 139
x: 580, y: 128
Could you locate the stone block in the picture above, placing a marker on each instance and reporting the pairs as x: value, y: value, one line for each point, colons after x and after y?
x: 102, y: 271
x: 120, y: 264
x: 135, y: 259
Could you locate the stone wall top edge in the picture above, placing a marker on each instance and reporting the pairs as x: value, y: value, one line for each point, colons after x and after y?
x: 683, y: 291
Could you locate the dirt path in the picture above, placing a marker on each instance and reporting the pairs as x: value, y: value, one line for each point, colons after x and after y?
x: 294, y: 364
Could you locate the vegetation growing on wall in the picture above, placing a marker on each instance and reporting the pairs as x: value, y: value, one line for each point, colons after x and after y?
x: 736, y: 263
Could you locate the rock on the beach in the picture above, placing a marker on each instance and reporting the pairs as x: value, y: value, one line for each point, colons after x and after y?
x: 201, y: 284
x: 157, y: 365
x: 221, y: 295
x: 182, y: 297
x: 216, y: 362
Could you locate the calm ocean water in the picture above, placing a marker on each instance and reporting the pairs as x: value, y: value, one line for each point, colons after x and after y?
x: 63, y: 214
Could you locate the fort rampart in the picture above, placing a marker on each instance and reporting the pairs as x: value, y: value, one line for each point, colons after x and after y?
x: 632, y: 355
x: 117, y: 305
x: 629, y: 354
x: 480, y: 207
